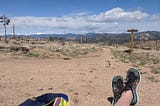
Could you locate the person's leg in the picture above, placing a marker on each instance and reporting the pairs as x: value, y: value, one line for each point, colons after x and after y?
x: 126, y: 95
x: 125, y: 99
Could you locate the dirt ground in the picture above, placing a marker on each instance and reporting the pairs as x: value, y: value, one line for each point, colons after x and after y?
x: 87, y: 81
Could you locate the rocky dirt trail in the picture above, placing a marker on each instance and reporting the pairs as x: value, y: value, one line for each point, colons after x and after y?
x: 86, y: 80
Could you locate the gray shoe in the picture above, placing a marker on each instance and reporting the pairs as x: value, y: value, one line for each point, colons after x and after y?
x: 132, y: 82
x: 117, y: 87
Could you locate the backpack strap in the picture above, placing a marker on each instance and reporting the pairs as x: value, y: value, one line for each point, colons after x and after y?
x: 57, y: 101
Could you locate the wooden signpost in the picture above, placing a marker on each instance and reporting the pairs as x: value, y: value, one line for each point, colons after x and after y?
x: 131, y: 38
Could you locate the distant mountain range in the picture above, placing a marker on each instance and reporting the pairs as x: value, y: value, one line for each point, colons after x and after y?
x: 122, y: 38
x: 101, y: 37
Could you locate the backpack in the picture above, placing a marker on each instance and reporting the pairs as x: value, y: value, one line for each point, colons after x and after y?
x: 49, y: 99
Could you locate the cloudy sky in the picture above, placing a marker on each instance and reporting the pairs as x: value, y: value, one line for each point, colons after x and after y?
x: 80, y: 16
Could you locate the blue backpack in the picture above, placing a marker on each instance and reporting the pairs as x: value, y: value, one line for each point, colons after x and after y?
x: 49, y: 99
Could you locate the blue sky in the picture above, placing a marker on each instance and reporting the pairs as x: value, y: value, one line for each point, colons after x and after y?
x: 80, y: 16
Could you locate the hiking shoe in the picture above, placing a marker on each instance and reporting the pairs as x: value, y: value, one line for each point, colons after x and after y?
x: 132, y: 82
x: 117, y: 87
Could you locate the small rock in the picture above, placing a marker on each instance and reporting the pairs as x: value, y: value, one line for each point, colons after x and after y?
x: 66, y: 83
x: 95, y: 77
x: 83, y: 73
x: 91, y: 71
x: 50, y: 88
x: 90, y: 81
x: 40, y: 89
x: 76, y: 93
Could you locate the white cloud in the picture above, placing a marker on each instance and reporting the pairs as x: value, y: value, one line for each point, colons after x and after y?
x: 114, y: 20
x: 155, y: 17
x: 118, y: 14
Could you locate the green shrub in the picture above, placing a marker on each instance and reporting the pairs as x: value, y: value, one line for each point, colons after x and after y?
x: 155, y: 70
x: 33, y: 54
x: 152, y: 79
